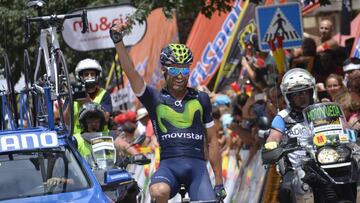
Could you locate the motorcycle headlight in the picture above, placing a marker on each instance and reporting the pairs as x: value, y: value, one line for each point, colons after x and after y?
x: 328, y: 156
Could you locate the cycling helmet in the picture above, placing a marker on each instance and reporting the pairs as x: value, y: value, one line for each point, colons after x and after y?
x: 88, y: 64
x: 91, y: 110
x: 296, y: 80
x: 176, y: 54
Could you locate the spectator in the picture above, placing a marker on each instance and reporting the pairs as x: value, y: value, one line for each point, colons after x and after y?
x: 354, y: 89
x: 350, y: 66
x: 142, y: 118
x: 89, y: 72
x: 325, y: 41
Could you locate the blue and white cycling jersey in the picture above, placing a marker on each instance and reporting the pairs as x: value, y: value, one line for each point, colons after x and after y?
x: 179, y: 124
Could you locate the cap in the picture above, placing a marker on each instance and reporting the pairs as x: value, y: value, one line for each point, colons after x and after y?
x: 222, y: 100
x: 141, y: 113
x: 350, y: 67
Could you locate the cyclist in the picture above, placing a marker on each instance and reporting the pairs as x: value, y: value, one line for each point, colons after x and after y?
x: 181, y: 118
x: 88, y: 72
x: 92, y: 119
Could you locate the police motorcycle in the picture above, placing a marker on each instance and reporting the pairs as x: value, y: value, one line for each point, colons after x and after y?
x: 328, y: 171
x: 110, y: 170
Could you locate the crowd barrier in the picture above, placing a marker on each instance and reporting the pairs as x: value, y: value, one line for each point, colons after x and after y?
x: 242, y: 183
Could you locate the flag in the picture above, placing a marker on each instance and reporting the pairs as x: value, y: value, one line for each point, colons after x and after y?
x: 345, y: 26
x: 230, y: 66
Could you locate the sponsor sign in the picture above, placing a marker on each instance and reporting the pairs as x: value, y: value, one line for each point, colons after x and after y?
x: 208, y: 40
x: 28, y: 141
x: 100, y: 21
x: 326, y: 120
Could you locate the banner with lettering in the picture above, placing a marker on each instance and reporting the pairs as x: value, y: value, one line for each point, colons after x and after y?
x: 325, y: 121
x: 207, y: 40
x: 230, y: 67
x: 160, y: 31
x: 100, y: 20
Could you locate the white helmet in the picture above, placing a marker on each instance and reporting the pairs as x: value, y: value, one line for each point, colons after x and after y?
x: 87, y: 64
x: 295, y: 80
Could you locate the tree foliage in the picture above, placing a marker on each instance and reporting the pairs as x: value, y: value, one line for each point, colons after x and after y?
x: 13, y: 13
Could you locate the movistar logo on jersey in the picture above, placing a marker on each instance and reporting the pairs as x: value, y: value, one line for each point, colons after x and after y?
x: 192, y: 136
x: 179, y: 120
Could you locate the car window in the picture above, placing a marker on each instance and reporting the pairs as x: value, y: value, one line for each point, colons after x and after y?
x: 26, y: 173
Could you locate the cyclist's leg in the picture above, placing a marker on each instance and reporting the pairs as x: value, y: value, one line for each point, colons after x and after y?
x: 163, y: 183
x: 200, y: 187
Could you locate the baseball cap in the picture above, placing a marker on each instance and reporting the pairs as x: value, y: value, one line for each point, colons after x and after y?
x: 351, y: 64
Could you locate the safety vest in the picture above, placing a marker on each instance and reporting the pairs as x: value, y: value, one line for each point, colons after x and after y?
x: 83, y: 147
x: 77, y: 107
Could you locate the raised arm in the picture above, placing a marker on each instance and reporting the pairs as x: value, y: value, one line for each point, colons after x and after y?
x: 136, y: 80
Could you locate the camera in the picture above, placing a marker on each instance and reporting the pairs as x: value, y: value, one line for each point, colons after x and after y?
x: 79, y: 91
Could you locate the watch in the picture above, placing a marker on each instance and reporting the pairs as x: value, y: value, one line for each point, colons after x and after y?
x: 116, y: 36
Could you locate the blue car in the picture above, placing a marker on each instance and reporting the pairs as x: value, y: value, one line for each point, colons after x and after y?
x: 37, y: 165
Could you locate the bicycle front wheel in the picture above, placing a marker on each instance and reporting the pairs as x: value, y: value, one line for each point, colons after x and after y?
x: 64, y: 110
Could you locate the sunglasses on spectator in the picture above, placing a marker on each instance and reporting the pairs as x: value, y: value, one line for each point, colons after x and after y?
x: 175, y: 71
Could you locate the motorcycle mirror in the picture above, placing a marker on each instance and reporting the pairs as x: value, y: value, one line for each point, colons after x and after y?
x: 271, y: 156
x: 263, y: 123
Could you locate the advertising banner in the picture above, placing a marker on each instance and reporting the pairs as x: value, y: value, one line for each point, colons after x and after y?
x: 160, y: 31
x: 207, y: 40
x: 100, y: 20
x: 325, y: 121
x: 230, y: 67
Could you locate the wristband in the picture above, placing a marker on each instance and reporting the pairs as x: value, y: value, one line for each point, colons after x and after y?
x: 116, y: 36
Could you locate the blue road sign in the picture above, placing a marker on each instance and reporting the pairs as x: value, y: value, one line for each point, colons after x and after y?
x: 283, y: 20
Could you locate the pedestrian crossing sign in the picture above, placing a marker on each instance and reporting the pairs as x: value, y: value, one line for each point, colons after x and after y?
x: 279, y: 20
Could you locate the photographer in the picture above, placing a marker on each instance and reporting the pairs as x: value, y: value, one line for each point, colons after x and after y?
x: 88, y: 73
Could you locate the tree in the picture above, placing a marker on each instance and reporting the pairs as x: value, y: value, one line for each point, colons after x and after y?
x: 13, y: 13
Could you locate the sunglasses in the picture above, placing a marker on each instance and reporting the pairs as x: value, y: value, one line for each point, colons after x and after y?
x: 175, y: 71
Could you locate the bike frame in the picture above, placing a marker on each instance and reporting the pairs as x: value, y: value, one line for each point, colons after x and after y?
x: 49, y: 57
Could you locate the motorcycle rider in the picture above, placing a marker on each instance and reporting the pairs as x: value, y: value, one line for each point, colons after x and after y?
x: 92, y: 119
x: 298, y: 90
x: 89, y: 72
x: 182, y: 118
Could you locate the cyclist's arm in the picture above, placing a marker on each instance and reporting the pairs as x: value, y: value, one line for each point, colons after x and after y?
x: 136, y: 81
x: 214, y: 154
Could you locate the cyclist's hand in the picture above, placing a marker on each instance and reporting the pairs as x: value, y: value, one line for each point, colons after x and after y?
x: 220, y: 192
x: 116, y: 31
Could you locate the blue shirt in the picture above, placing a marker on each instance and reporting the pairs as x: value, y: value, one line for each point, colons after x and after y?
x: 180, y: 125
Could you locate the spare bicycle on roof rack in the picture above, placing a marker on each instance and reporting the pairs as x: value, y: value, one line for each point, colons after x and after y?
x: 50, y: 72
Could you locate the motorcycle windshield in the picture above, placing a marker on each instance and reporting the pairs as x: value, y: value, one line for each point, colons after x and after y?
x: 326, y: 123
x: 103, y: 151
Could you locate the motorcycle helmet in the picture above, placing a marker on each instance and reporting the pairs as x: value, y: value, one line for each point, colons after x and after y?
x: 91, y: 110
x: 88, y: 64
x: 176, y: 54
x: 296, y: 80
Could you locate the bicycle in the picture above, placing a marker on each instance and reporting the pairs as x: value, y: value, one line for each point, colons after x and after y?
x: 53, y: 73
x: 9, y: 115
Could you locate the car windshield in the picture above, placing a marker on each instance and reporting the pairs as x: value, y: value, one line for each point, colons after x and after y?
x: 41, y: 172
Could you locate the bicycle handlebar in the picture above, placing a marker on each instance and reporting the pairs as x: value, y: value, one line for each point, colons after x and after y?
x: 54, y: 19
